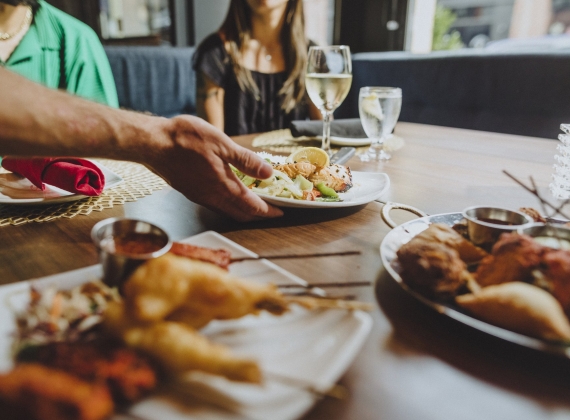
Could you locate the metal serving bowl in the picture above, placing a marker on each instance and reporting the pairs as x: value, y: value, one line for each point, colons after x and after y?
x: 119, y: 261
x: 486, y: 224
x: 553, y: 236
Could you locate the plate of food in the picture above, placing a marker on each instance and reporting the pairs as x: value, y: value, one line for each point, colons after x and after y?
x: 17, y: 190
x: 179, y: 351
x: 306, y: 179
x: 514, y: 288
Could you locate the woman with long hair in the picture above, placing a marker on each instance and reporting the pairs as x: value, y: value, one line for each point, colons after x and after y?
x: 251, y: 73
x: 50, y: 47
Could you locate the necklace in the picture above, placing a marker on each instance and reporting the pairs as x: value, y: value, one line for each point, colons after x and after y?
x: 4, y: 36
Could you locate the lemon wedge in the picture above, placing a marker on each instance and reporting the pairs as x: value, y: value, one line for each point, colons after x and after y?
x: 314, y: 155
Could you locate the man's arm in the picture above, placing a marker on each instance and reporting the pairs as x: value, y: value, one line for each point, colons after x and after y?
x: 187, y: 151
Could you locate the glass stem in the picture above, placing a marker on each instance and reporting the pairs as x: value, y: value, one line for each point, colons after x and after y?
x: 326, y: 144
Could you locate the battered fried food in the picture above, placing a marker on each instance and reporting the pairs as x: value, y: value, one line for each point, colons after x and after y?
x: 221, y: 257
x: 557, y: 273
x: 433, y: 269
x: 34, y: 392
x: 128, y: 375
x: 533, y: 213
x: 513, y: 258
x: 444, y: 234
x: 195, y: 292
x: 179, y: 348
x: 519, y: 307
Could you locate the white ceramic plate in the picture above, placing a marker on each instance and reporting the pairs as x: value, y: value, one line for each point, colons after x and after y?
x: 313, y: 347
x: 367, y: 187
x: 347, y: 141
x: 15, y: 189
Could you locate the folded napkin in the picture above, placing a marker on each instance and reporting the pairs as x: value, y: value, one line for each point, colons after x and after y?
x: 348, y: 128
x: 78, y: 176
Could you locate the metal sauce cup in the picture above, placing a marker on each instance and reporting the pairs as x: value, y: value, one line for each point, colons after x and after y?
x: 486, y: 224
x: 124, y: 244
x: 557, y: 237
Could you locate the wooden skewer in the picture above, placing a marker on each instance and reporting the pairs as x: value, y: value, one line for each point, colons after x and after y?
x: 339, y: 284
x: 291, y: 256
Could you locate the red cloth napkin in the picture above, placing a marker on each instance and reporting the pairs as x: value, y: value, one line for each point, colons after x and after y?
x: 78, y: 176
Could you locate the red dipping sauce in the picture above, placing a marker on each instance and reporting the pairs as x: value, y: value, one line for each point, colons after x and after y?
x: 133, y: 243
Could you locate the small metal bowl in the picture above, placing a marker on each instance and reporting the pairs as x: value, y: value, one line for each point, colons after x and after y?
x: 124, y: 244
x: 486, y: 224
x: 552, y: 236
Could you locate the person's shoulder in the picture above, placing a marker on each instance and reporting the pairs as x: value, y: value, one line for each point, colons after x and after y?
x: 65, y: 24
x: 212, y: 43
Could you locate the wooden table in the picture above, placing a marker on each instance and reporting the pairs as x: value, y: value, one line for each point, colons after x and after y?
x: 415, y: 364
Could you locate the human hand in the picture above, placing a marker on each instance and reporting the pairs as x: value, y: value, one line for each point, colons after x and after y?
x: 195, y: 162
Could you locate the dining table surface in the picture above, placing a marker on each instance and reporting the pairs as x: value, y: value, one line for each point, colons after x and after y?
x: 416, y: 363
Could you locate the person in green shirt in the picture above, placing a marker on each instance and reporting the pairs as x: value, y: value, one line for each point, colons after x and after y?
x: 46, y: 45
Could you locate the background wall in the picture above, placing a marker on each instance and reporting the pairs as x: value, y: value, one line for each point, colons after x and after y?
x: 208, y: 16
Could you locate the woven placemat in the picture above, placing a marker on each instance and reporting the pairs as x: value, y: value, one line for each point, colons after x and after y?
x: 138, y: 182
x: 282, y: 141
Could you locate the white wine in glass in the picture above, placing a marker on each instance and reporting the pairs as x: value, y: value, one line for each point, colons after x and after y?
x: 328, y: 80
x: 379, y: 109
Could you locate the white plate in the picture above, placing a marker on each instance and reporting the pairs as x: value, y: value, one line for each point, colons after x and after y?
x: 367, y: 187
x: 15, y: 189
x: 314, y: 347
x: 347, y: 141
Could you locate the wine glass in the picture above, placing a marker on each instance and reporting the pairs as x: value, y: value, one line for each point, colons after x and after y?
x: 379, y: 109
x: 328, y: 80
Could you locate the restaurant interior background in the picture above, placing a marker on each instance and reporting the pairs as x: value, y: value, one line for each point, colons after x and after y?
x: 387, y: 25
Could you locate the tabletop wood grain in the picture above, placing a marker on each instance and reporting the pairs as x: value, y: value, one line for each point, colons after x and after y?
x: 416, y: 363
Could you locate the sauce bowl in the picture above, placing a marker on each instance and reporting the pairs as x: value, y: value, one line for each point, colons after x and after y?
x: 124, y: 244
x: 486, y: 224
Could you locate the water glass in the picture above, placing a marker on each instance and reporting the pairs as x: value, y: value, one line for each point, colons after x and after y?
x: 379, y: 109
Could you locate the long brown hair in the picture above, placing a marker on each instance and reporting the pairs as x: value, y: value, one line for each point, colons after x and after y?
x: 236, y: 32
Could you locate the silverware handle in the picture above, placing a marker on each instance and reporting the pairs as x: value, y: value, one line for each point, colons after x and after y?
x: 389, y: 206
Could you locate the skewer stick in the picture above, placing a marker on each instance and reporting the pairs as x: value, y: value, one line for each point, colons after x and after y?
x: 339, y: 284
x: 557, y: 209
x: 291, y: 256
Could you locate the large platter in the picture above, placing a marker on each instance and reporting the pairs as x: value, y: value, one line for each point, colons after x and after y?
x: 311, y: 348
x: 401, y: 235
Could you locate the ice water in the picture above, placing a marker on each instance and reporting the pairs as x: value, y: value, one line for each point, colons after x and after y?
x: 379, y: 113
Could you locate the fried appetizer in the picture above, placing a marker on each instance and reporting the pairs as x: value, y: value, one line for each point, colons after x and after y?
x: 433, y: 269
x: 444, y: 234
x: 179, y: 348
x: 519, y: 307
x: 533, y: 213
x: 513, y: 258
x: 557, y: 273
x: 128, y: 375
x: 195, y: 292
x: 34, y: 392
x: 221, y: 257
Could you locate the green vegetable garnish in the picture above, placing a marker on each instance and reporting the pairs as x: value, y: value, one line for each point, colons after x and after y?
x: 326, y: 191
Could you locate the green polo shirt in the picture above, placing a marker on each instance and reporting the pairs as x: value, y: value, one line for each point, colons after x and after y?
x: 61, y: 52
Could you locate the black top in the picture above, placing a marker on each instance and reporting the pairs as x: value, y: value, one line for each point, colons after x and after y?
x: 243, y: 113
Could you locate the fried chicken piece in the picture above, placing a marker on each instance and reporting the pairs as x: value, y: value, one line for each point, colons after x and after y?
x: 178, y: 347
x: 533, y: 213
x: 446, y: 235
x: 513, y: 258
x: 432, y: 268
x: 34, y: 392
x: 128, y: 375
x: 557, y: 273
x: 195, y: 292
x: 221, y: 257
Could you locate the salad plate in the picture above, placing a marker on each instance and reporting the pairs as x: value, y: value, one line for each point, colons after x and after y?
x: 367, y: 187
x: 312, y: 349
x: 17, y: 190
